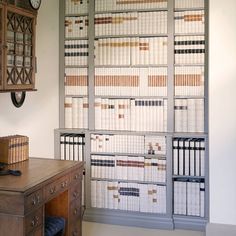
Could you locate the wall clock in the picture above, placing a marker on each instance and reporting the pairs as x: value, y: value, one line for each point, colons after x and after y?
x: 35, y: 4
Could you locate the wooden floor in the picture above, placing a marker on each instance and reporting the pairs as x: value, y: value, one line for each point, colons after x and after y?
x: 94, y: 229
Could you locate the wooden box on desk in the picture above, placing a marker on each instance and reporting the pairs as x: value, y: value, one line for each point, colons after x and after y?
x: 14, y: 148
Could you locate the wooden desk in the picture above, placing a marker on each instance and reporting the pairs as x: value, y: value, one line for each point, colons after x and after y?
x: 46, y: 187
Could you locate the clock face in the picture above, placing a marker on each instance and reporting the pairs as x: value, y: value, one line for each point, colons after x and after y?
x: 35, y: 4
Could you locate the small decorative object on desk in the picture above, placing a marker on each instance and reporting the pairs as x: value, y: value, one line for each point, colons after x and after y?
x: 14, y: 148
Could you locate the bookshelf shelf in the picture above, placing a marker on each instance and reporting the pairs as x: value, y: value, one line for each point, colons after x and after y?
x: 189, y: 65
x: 190, y: 9
x: 189, y: 34
x: 131, y: 36
x: 131, y: 66
x: 134, y: 10
x: 130, y: 181
x: 78, y: 96
x: 76, y: 66
x: 76, y: 38
x: 130, y: 154
x: 129, y: 97
x: 190, y: 134
x: 143, y: 96
x: 75, y: 15
x: 189, y: 97
x: 188, y: 177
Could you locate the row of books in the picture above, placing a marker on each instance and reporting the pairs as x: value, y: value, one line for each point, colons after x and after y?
x: 136, y: 168
x: 76, y: 52
x: 189, y: 198
x: 131, y: 51
x: 15, y: 35
x: 135, y: 114
x: 76, y: 26
x: 20, y: 61
x: 14, y: 148
x: 113, y: 5
x: 131, y: 114
x: 76, y: 112
x: 189, y: 22
x: 11, y: 36
x: 128, y: 196
x: 189, y: 156
x: 189, y: 49
x: 151, y: 145
x: 189, y: 4
x: 76, y: 81
x: 76, y: 6
x: 136, y: 51
x: 19, y: 49
x: 131, y: 23
x: 131, y: 81
x: 121, y: 143
x: 72, y: 147
x: 81, y: 7
x: 189, y: 115
x: 189, y: 81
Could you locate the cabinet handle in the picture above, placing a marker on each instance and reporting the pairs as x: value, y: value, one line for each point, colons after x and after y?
x: 75, y: 233
x: 75, y: 194
x: 75, y: 211
x: 35, y: 221
x: 52, y: 190
x: 36, y: 200
x: 76, y: 176
x: 64, y: 184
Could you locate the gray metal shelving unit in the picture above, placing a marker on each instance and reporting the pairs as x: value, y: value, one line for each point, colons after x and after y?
x: 162, y: 221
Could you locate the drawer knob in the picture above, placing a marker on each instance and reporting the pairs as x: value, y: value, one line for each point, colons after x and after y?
x: 75, y: 211
x: 36, y: 200
x: 75, y: 194
x: 76, y: 176
x: 35, y: 221
x: 52, y: 190
x: 64, y: 184
x: 75, y: 233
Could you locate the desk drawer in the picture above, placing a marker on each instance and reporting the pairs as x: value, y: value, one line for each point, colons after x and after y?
x: 75, y: 192
x: 52, y: 189
x: 33, y: 220
x: 75, y: 229
x: 75, y: 210
x: 37, y: 232
x: 76, y: 176
x: 34, y: 200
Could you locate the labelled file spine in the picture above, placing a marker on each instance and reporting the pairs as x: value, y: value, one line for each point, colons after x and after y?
x: 189, y: 157
x: 189, y: 197
x: 72, y: 147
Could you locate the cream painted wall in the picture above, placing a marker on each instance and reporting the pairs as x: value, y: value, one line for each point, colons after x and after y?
x: 222, y: 109
x: 38, y: 116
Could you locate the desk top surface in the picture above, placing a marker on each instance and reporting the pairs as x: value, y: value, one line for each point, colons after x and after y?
x: 34, y: 171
